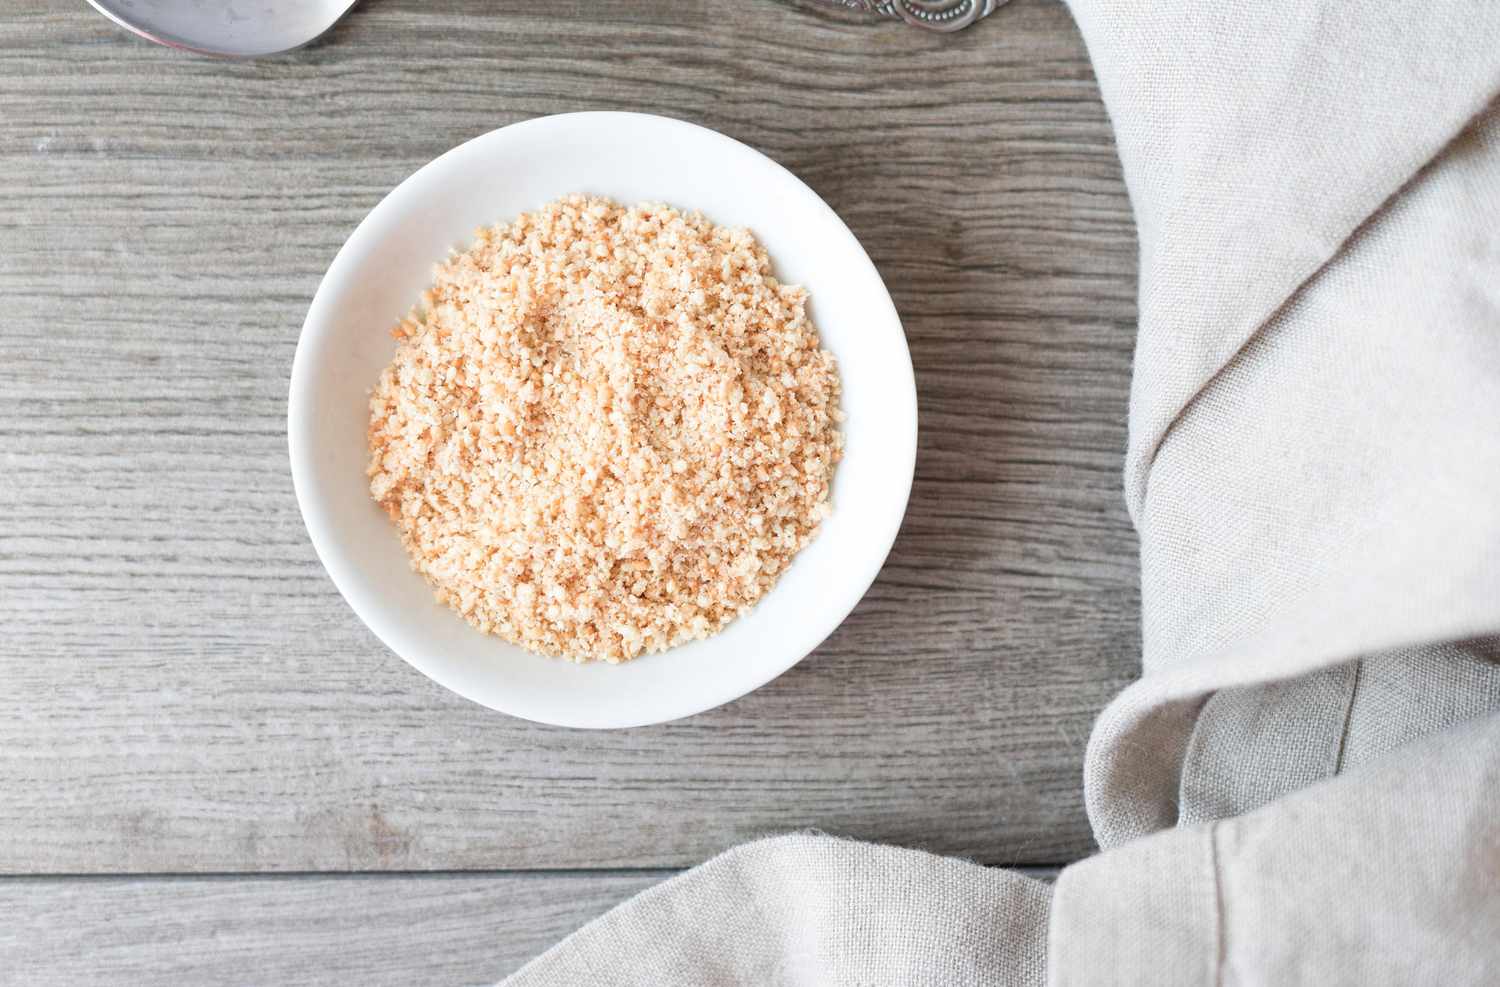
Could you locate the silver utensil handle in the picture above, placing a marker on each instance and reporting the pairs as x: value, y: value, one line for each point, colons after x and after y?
x: 934, y: 15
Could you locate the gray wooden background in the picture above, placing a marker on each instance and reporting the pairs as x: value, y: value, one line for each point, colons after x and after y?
x: 210, y: 772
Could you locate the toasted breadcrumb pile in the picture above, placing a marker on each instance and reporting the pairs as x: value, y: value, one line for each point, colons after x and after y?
x: 606, y: 431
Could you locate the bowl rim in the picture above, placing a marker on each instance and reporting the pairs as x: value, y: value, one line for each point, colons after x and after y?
x: 341, y: 572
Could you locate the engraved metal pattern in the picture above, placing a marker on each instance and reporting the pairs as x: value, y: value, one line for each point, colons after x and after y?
x: 935, y: 15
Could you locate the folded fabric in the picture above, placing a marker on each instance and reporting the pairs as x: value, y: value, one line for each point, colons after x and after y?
x: 1312, y: 452
x: 1304, y: 785
x: 812, y: 909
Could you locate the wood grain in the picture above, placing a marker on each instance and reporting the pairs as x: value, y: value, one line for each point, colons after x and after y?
x: 356, y: 929
x: 367, y: 929
x: 181, y: 689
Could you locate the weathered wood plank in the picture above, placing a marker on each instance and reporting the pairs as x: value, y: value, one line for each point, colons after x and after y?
x: 181, y: 689
x: 358, y: 929
x: 368, y: 929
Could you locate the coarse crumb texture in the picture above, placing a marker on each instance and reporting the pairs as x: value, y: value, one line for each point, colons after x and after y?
x: 606, y: 431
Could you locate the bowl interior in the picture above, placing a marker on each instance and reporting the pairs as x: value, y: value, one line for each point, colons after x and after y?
x: 384, y: 267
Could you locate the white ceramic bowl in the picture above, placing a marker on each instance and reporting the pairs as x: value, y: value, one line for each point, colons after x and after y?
x: 384, y: 267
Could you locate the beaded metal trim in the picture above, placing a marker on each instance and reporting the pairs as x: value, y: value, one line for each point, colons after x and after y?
x: 935, y: 15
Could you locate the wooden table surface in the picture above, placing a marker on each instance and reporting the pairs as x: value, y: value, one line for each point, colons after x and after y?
x: 211, y: 772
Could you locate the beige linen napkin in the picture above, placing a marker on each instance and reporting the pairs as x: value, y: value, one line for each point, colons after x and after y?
x: 1304, y: 785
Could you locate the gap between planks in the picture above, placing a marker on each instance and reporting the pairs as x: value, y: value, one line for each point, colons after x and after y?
x: 1042, y: 872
